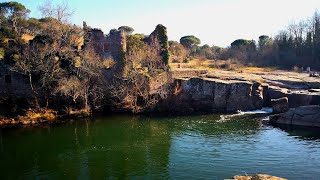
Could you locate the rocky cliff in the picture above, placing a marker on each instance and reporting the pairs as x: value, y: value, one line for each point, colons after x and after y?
x: 206, y: 93
x: 214, y: 95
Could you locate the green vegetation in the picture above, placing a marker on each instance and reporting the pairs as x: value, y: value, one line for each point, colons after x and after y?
x: 128, y: 30
x: 178, y: 51
x: 60, y: 69
x: 190, y: 41
x: 298, y: 45
x: 135, y: 43
x: 2, y: 53
x: 242, y: 43
x: 264, y: 42
x: 163, y: 41
x: 11, y: 13
x: 66, y: 75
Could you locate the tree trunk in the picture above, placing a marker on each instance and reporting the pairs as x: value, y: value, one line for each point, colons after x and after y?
x: 30, y: 81
x: 86, y: 104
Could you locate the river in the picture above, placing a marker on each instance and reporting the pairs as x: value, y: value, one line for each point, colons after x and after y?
x: 139, y: 147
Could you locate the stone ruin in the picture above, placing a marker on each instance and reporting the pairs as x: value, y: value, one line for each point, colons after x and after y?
x: 112, y: 46
x: 105, y: 45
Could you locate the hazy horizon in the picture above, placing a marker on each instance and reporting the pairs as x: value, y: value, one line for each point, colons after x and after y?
x: 215, y: 22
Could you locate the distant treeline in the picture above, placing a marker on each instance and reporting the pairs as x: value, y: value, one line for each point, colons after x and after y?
x: 297, y: 45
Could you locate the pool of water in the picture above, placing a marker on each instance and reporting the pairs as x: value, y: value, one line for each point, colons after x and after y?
x: 137, y: 147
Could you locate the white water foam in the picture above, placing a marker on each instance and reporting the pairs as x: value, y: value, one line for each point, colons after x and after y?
x: 265, y: 110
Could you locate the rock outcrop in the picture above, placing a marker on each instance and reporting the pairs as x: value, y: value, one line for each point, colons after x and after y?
x: 296, y: 98
x: 280, y: 105
x: 258, y: 177
x: 214, y: 95
x: 198, y: 91
x: 301, y: 116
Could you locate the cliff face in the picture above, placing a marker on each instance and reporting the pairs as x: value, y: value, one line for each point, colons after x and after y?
x: 214, y: 95
x: 230, y: 91
x: 308, y: 116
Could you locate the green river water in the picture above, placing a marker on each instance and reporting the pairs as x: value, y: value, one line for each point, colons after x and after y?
x: 138, y: 147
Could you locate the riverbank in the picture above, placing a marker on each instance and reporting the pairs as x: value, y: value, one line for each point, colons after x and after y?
x: 42, y: 116
x: 219, y: 91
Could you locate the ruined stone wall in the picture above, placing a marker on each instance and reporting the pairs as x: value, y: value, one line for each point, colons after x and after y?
x: 118, y: 46
x: 114, y: 43
x: 12, y: 84
x: 96, y: 39
x: 159, y: 81
x: 118, y: 43
x: 160, y: 36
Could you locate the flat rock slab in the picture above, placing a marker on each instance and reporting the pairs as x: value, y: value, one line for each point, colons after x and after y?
x: 314, y: 90
x: 301, y: 116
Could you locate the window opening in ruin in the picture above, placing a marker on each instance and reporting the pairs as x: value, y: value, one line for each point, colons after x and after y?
x: 106, y: 47
x: 7, y: 79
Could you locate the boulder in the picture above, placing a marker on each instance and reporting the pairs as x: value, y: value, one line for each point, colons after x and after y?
x: 301, y: 116
x: 276, y: 92
x: 296, y: 98
x: 258, y: 177
x: 280, y: 105
x: 266, y: 97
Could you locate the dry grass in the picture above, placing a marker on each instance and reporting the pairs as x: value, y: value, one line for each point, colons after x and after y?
x: 5, y: 40
x: 256, y: 69
x: 108, y: 63
x: 79, y: 112
x: 27, y: 37
x: 296, y: 69
x: 211, y: 66
x: 44, y: 114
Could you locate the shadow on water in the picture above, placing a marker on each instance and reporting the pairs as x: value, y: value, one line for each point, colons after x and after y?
x: 303, y: 133
x: 116, y: 147
x: 120, y: 146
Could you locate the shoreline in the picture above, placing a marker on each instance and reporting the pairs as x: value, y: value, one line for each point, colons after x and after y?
x: 24, y: 122
x: 218, y: 92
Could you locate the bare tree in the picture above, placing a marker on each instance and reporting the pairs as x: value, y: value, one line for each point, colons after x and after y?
x: 57, y: 67
x: 142, y: 87
x: 298, y: 31
x: 61, y: 12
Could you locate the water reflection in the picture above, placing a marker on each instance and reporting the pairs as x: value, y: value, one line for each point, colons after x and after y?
x: 303, y: 133
x: 143, y: 147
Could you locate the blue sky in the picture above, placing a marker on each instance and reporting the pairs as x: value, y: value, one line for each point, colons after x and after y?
x: 215, y: 22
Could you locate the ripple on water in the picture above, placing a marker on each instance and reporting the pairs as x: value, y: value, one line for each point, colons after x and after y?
x: 192, y: 147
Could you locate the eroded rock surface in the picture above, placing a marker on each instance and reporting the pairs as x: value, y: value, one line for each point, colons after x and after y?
x: 215, y: 95
x: 227, y: 91
x: 280, y: 105
x: 301, y: 116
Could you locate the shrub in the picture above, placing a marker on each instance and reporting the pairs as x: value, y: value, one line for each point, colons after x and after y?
x: 295, y: 69
x: 186, y: 60
x: 108, y: 63
x: 2, y: 54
